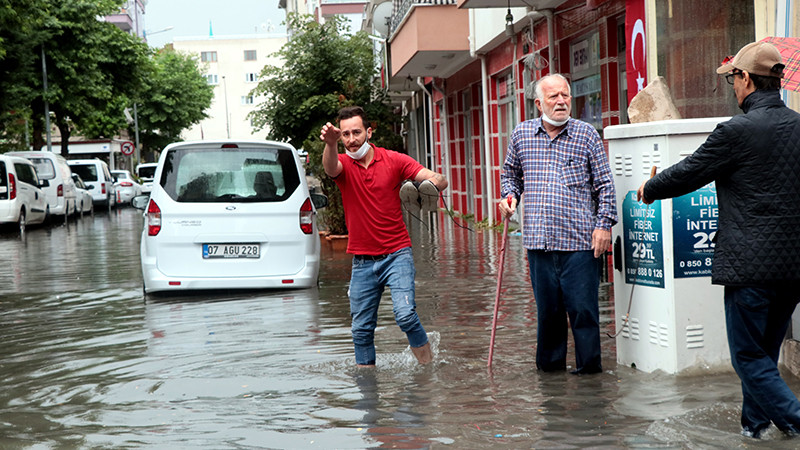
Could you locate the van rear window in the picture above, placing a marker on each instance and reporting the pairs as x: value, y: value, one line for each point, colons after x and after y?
x: 230, y: 174
x: 44, y: 168
x: 86, y: 172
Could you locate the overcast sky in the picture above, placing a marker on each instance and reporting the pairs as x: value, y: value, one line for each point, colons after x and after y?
x: 190, y: 19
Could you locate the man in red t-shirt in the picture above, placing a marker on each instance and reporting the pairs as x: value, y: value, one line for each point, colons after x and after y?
x: 369, y: 178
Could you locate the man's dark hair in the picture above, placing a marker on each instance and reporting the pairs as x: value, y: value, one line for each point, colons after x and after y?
x: 348, y: 112
x: 765, y: 83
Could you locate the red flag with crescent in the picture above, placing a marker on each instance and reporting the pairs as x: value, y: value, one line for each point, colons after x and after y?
x: 635, y: 47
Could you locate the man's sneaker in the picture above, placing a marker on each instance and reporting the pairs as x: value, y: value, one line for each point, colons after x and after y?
x: 429, y: 196
x: 409, y: 196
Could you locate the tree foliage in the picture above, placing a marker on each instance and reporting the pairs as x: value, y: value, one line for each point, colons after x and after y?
x: 174, y: 96
x: 323, y: 70
x: 94, y: 72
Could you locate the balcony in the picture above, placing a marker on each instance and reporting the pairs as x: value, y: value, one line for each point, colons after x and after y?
x: 428, y: 38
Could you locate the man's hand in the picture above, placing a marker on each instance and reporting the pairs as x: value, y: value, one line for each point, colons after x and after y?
x: 507, y: 210
x: 330, y: 134
x: 640, y: 195
x: 601, y: 239
x: 330, y: 159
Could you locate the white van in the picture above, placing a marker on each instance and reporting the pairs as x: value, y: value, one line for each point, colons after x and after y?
x: 145, y: 172
x: 98, y: 179
x: 21, y: 199
x: 229, y: 215
x: 61, y: 193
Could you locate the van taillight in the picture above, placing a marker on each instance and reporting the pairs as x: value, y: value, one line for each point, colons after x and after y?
x: 307, y: 217
x: 153, y: 219
x: 126, y: 184
x: 60, y: 190
x: 103, y: 188
x: 12, y: 185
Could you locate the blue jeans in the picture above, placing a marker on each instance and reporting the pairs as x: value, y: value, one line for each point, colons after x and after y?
x: 565, y: 284
x: 757, y: 319
x: 368, y: 280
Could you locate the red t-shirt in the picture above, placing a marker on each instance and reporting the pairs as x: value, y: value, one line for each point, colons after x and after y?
x: 371, y: 200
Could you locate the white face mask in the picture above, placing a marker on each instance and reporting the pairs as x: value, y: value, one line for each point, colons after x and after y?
x: 360, y: 153
x: 553, y: 122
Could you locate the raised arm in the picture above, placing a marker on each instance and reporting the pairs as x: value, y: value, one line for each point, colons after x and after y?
x: 330, y: 156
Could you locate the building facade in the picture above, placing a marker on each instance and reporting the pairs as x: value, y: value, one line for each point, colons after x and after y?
x: 462, y: 70
x: 233, y: 66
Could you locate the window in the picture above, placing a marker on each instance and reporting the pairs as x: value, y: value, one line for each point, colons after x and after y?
x: 723, y: 28
x: 212, y: 79
x: 249, y: 55
x: 242, y: 174
x: 247, y: 99
x: 506, y: 108
x: 586, y: 81
x: 250, y: 77
x: 208, y: 56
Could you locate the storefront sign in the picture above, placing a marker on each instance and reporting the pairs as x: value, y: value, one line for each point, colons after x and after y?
x: 643, y: 242
x: 636, y: 48
x: 694, y: 224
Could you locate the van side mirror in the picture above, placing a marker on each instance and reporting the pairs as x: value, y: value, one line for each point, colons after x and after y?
x: 319, y: 200
x: 44, y: 183
x: 140, y: 201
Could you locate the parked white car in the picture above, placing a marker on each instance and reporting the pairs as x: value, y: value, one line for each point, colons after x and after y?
x: 22, y: 200
x: 229, y: 215
x: 127, y: 186
x: 60, y: 192
x: 146, y: 172
x: 84, y: 197
x: 98, y: 179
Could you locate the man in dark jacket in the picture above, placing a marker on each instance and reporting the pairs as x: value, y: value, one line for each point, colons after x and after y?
x: 754, y: 158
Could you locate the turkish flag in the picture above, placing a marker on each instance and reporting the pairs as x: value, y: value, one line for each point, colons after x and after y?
x: 635, y: 47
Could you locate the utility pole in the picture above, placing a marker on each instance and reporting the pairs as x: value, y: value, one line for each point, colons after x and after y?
x: 227, y: 118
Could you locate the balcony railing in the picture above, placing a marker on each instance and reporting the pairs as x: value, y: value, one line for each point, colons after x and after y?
x: 401, y: 7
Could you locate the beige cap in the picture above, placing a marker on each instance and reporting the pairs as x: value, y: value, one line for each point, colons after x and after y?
x: 757, y: 58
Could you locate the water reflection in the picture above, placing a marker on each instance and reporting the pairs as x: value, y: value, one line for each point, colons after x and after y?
x: 87, y: 363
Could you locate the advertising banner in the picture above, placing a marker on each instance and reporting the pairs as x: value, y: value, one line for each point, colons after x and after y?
x: 643, y: 242
x: 694, y: 224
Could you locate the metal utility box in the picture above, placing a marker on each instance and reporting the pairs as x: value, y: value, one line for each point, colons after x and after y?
x: 677, y: 318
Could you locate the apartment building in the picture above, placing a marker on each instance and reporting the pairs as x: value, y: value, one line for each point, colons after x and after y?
x: 232, y: 64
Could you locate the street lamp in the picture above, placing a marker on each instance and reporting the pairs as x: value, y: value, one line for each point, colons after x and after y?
x: 145, y: 33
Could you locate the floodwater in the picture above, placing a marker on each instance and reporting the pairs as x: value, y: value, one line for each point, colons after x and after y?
x: 86, y: 362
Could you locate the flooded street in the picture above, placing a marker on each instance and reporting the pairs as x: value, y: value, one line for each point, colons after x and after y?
x: 87, y: 363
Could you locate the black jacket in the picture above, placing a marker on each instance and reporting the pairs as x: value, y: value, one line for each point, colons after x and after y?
x: 755, y: 160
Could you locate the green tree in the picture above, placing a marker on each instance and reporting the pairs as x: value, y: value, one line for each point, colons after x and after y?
x: 323, y: 70
x: 174, y: 96
x: 22, y: 31
x: 93, y: 68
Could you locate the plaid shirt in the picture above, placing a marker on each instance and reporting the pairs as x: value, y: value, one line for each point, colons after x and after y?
x: 567, y: 183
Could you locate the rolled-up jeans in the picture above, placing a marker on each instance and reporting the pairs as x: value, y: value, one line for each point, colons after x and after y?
x: 370, y: 276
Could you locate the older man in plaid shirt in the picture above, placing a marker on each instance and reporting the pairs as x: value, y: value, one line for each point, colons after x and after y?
x: 561, y: 166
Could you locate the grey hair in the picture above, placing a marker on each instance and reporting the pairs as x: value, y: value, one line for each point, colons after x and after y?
x: 537, y: 88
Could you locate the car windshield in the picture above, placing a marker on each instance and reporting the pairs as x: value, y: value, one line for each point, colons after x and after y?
x: 146, y: 171
x: 44, y: 168
x: 254, y: 174
x: 86, y: 172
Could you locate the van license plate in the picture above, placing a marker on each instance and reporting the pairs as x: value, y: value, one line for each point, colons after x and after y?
x: 231, y: 251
